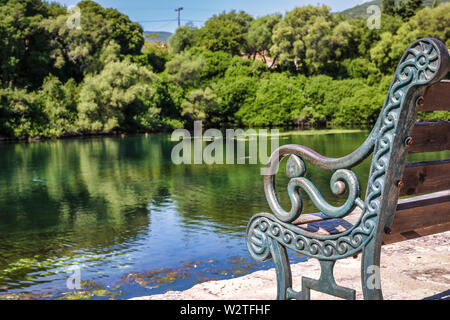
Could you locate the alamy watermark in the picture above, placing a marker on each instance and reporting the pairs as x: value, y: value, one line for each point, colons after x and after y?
x: 374, y: 20
x: 374, y: 280
x: 73, y: 282
x: 230, y: 148
x: 74, y: 20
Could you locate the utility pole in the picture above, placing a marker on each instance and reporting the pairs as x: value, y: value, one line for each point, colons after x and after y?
x: 179, y: 14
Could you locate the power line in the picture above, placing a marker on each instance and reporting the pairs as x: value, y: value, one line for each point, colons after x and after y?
x: 163, y: 20
x: 192, y: 20
x: 170, y: 20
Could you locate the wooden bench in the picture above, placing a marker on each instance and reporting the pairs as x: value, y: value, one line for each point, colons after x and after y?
x: 364, y: 225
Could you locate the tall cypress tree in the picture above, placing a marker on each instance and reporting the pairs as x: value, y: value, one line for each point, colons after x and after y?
x: 435, y: 3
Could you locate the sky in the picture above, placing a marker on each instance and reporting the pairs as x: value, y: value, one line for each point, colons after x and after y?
x: 160, y: 15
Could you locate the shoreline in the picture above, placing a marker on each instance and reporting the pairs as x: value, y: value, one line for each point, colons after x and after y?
x: 76, y: 136
x: 410, y: 270
x: 97, y: 135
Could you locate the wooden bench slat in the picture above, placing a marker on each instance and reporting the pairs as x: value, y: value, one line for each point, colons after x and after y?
x: 430, y: 137
x: 418, y: 216
x: 425, y: 177
x: 309, y: 218
x: 327, y: 226
x: 423, y: 211
x: 437, y: 97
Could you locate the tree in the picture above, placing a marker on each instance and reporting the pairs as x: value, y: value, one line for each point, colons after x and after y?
x: 344, y: 41
x: 21, y: 113
x: 225, y: 32
x: 310, y: 115
x: 155, y: 55
x: 426, y: 23
x: 216, y: 62
x: 435, y: 3
x: 128, y: 34
x: 60, y: 105
x: 186, y: 68
x: 185, y: 37
x: 259, y: 37
x: 365, y: 38
x: 363, y: 68
x: 361, y: 107
x: 76, y: 51
x: 24, y: 49
x: 277, y: 95
x: 235, y: 92
x: 380, y: 53
x: 116, y: 98
x: 239, y: 67
x: 201, y: 104
x: 168, y: 98
x: 301, y: 39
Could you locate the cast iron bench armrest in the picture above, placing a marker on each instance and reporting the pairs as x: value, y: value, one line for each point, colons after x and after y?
x: 416, y: 83
x: 321, y: 161
x: 342, y: 179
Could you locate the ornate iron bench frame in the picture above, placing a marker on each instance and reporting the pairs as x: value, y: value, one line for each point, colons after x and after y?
x: 424, y: 63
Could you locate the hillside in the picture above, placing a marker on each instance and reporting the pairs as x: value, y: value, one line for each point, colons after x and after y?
x: 361, y: 10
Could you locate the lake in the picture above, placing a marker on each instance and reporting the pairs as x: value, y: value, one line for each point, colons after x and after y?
x: 118, y: 213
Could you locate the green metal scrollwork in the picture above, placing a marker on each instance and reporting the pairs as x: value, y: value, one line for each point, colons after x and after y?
x: 339, y: 180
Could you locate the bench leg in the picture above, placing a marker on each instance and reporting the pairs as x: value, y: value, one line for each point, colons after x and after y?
x: 326, y: 284
x: 282, y: 267
x: 370, y: 271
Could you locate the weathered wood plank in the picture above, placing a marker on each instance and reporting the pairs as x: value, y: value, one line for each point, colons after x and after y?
x: 309, y: 218
x: 436, y: 97
x: 318, y: 223
x: 424, y: 200
x: 430, y: 137
x: 415, y: 217
x: 420, y: 216
x: 420, y: 212
x: 425, y: 177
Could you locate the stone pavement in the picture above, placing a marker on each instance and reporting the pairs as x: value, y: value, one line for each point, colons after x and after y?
x: 410, y: 270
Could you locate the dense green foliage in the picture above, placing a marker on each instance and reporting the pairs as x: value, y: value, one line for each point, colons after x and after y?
x: 307, y: 66
x: 361, y: 10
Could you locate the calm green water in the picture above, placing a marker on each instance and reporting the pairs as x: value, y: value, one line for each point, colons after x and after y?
x: 132, y: 221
